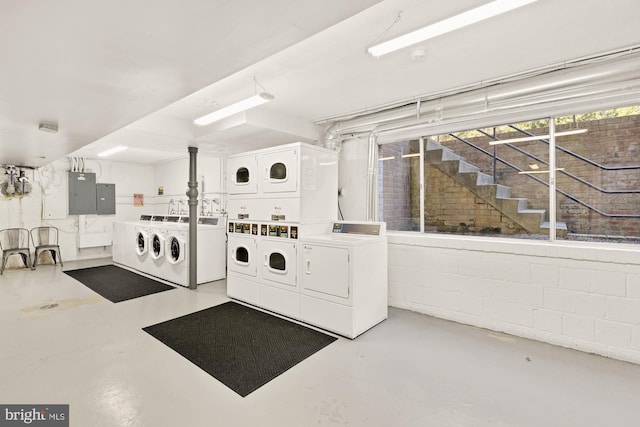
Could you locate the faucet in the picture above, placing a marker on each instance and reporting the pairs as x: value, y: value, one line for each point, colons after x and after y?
x: 202, y: 211
x: 180, y: 210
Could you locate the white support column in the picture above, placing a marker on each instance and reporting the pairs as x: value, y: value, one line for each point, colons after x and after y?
x: 552, y: 179
x: 422, y: 185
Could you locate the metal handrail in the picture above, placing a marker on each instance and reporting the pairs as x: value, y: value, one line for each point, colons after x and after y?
x: 569, y: 174
x: 564, y: 193
x: 576, y: 155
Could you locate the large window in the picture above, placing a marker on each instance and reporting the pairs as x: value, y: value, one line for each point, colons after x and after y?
x: 399, y: 184
x: 497, y: 181
x: 598, y: 176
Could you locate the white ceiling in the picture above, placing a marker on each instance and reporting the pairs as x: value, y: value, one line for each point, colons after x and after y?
x: 138, y: 73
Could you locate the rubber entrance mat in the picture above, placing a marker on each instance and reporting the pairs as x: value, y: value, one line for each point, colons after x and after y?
x: 239, y: 346
x: 117, y: 284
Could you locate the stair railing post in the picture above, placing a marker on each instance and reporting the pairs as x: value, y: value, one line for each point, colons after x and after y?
x: 494, y: 157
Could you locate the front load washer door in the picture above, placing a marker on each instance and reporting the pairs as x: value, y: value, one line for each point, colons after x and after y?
x: 176, y: 249
x: 142, y: 242
x: 158, y: 243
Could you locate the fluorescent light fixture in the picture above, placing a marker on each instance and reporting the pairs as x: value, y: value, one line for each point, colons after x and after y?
x: 538, y: 171
x: 111, y: 151
x: 535, y: 137
x: 456, y: 22
x: 382, y: 159
x: 236, y: 108
x: 404, y: 156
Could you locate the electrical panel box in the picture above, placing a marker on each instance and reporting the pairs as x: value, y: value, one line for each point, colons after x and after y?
x: 82, y: 193
x: 106, y: 199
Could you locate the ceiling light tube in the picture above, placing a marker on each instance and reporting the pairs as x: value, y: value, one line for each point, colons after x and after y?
x: 382, y: 159
x: 111, y: 151
x: 536, y: 137
x: 404, y: 156
x: 538, y: 171
x: 236, y: 108
x: 456, y: 22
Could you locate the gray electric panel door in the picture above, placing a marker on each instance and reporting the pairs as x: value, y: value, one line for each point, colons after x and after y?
x: 106, y: 199
x: 82, y: 193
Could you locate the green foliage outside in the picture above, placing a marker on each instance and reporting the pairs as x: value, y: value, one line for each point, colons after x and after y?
x: 544, y: 123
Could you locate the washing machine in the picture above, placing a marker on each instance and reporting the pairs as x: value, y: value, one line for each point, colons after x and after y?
x: 140, y: 259
x: 211, y: 242
x: 212, y: 248
x: 242, y: 261
x: 343, y: 278
x: 176, y: 269
x: 278, y: 288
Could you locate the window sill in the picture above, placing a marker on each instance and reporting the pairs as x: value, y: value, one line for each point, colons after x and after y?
x: 619, y: 253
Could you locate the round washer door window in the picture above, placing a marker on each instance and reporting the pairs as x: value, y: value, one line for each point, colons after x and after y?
x: 175, y: 249
x: 141, y: 243
x: 156, y: 245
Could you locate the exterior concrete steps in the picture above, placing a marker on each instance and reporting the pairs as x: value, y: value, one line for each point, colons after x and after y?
x: 483, y: 186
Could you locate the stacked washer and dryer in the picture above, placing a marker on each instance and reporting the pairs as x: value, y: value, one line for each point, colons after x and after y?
x: 278, y: 198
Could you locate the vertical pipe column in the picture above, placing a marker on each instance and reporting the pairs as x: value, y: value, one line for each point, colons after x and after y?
x: 192, y: 193
x: 552, y: 179
x: 372, y: 177
x: 422, y: 184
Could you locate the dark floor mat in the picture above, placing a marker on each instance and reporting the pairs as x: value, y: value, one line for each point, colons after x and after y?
x: 241, y: 347
x: 117, y: 284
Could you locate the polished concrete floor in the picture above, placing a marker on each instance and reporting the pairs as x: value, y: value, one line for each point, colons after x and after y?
x: 62, y: 343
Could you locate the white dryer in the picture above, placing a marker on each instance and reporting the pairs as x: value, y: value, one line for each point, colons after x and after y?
x: 294, y: 182
x: 343, y: 285
x: 242, y: 261
x: 278, y: 268
x: 243, y: 174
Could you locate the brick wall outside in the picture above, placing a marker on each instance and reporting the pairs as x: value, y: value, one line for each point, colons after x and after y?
x: 450, y: 207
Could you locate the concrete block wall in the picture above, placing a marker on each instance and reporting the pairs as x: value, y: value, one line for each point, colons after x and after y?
x: 585, y: 297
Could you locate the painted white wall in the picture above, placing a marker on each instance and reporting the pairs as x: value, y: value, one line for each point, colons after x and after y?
x: 173, y: 176
x: 352, y: 179
x: 47, y: 204
x: 582, y: 296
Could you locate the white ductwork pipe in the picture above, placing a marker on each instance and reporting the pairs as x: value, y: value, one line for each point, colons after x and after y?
x: 372, y: 177
x: 601, y: 82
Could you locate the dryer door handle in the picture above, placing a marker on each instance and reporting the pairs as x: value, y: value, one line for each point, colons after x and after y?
x: 308, y: 270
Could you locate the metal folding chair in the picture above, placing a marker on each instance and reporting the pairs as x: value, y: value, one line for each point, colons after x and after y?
x: 15, y: 241
x: 45, y: 239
